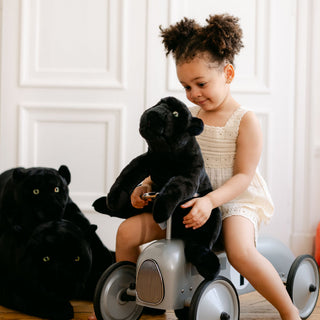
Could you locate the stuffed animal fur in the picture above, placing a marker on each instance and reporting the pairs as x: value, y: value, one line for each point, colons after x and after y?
x: 29, y: 197
x: 34, y: 196
x: 175, y: 165
x: 47, y: 269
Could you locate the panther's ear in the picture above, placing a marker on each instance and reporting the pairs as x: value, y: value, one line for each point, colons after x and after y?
x: 65, y: 173
x: 92, y: 228
x: 18, y: 174
x: 90, y: 232
x: 196, y: 126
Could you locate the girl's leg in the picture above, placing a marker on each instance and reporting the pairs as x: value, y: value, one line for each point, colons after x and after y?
x: 134, y: 232
x: 245, y: 258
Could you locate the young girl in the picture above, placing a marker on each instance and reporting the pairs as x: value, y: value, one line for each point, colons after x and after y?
x: 231, y: 144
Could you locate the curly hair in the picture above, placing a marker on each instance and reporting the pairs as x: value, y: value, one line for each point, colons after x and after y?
x: 221, y: 37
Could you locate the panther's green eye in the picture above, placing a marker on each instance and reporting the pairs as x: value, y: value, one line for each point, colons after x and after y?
x: 77, y: 259
x: 36, y: 191
x: 46, y: 259
x: 56, y: 189
x: 175, y: 114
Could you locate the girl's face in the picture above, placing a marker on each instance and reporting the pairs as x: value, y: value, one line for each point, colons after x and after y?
x: 206, y: 85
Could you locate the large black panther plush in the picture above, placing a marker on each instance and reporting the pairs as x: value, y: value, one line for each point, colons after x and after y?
x: 48, y: 268
x: 29, y: 197
x: 33, y: 196
x: 175, y: 165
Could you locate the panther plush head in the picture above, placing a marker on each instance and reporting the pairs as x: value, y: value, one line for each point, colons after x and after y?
x: 32, y: 196
x: 57, y: 259
x: 43, y: 271
x: 168, y: 125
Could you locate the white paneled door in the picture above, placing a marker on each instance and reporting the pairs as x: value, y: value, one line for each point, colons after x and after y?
x: 72, y: 88
x: 77, y: 74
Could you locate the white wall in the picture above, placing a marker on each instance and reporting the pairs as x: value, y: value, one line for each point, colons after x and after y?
x: 77, y: 74
x: 306, y: 204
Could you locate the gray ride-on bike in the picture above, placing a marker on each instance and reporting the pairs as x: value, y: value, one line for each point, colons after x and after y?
x: 163, y: 279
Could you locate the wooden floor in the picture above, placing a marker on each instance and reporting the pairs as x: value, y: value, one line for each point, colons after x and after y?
x: 253, y: 306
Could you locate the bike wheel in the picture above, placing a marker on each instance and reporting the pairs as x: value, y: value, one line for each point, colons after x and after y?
x: 111, y: 301
x: 215, y: 300
x: 303, y: 284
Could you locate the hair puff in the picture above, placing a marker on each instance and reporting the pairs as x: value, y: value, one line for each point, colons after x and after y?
x: 221, y: 37
x: 176, y: 37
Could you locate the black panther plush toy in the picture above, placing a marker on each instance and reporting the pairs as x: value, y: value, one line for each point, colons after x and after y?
x: 34, y: 196
x: 175, y: 165
x: 47, y: 269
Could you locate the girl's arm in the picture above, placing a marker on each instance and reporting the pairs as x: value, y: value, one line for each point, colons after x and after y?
x: 249, y: 147
x: 144, y: 187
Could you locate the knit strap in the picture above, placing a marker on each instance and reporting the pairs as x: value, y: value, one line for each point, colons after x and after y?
x: 235, y: 119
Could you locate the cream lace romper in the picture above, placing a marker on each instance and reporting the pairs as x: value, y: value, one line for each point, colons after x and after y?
x: 218, y: 146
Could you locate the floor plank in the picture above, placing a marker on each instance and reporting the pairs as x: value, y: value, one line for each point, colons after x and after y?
x: 253, y: 306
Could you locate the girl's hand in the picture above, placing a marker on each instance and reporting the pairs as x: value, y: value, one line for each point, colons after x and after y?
x: 136, y: 200
x: 199, y: 214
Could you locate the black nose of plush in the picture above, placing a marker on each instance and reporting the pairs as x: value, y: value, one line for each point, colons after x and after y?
x: 153, y: 124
